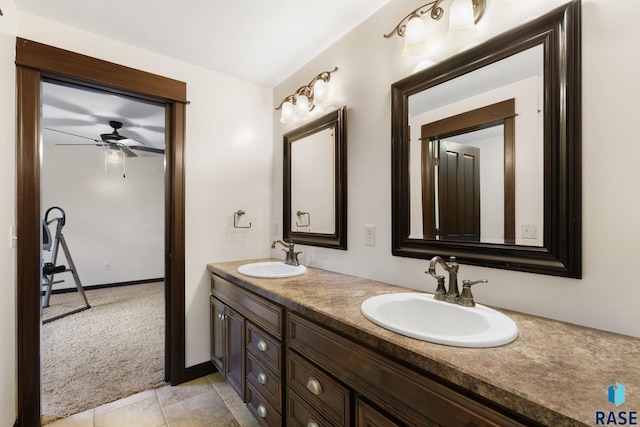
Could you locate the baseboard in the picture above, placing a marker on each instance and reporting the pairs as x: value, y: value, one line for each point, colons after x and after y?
x: 198, y: 371
x: 107, y: 285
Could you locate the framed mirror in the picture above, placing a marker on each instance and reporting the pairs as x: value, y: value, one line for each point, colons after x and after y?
x: 486, y: 161
x: 315, y: 182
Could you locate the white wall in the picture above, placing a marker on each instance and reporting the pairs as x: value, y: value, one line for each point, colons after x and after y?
x: 109, y: 218
x: 607, y: 296
x: 7, y: 214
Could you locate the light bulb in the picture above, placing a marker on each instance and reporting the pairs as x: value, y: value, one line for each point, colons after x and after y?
x: 287, y: 115
x: 320, y: 91
x: 414, y: 38
x: 302, y: 105
x: 461, y: 20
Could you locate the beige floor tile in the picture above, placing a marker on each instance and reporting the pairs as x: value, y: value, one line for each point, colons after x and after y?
x: 83, y: 419
x: 141, y: 413
x: 233, y: 401
x: 169, y: 395
x: 203, y: 410
x: 107, y: 407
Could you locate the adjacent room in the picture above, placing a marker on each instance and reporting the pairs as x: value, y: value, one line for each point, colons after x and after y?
x: 102, y: 195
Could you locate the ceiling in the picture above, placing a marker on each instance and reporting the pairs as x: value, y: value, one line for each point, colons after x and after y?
x: 78, y: 116
x: 261, y: 41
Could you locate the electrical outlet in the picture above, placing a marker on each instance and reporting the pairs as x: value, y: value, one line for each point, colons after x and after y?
x: 107, y: 265
x: 274, y: 229
x: 370, y: 235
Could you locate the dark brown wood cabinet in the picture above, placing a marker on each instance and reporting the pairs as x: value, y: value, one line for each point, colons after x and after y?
x: 227, y: 342
x: 294, y: 371
x: 247, y: 348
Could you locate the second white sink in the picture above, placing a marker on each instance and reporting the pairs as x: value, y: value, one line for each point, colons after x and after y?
x: 271, y: 269
x: 420, y: 316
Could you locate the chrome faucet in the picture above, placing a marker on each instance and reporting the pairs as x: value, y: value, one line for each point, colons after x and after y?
x: 291, y: 256
x: 452, y: 295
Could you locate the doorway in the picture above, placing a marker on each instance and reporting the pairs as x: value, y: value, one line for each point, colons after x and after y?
x: 35, y: 62
x: 103, y: 191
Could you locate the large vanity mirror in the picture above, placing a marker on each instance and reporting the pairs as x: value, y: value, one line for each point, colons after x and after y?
x: 315, y: 186
x: 486, y: 152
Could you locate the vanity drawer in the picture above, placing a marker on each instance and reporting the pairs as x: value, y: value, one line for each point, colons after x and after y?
x: 264, y: 381
x: 267, y: 315
x: 301, y: 414
x: 265, y: 348
x: 407, y: 395
x: 323, y: 393
x: 262, y: 410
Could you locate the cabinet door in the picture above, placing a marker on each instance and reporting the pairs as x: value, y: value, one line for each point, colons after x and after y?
x: 234, y: 340
x: 217, y: 334
x: 367, y: 416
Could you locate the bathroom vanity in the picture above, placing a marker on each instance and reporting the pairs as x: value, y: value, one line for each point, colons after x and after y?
x: 298, y: 351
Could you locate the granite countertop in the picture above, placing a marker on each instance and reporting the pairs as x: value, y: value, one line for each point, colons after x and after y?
x: 555, y: 373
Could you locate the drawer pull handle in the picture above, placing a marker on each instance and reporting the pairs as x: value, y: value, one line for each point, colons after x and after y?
x: 262, y: 411
x: 262, y: 378
x: 312, y: 423
x: 313, y: 385
x: 262, y: 345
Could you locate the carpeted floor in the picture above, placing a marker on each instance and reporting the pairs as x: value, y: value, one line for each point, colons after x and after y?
x: 110, y: 351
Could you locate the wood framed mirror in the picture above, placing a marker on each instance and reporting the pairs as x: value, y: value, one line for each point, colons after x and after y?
x: 315, y: 182
x: 514, y: 203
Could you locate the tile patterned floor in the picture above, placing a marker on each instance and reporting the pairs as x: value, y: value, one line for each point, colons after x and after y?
x: 207, y: 401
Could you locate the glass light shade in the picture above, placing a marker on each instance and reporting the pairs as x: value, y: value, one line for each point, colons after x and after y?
x: 114, y: 156
x: 414, y: 38
x: 302, y: 105
x: 286, y: 112
x: 461, y: 20
x: 320, y: 91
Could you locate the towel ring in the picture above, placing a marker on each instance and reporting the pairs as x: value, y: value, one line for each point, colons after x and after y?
x: 237, y: 214
x: 300, y: 214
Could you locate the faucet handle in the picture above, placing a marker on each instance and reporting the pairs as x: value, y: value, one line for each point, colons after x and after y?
x: 295, y: 258
x: 466, y: 298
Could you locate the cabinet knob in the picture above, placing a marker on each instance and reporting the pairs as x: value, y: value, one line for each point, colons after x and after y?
x: 312, y: 423
x: 313, y: 385
x: 262, y: 345
x: 262, y: 411
x: 262, y: 378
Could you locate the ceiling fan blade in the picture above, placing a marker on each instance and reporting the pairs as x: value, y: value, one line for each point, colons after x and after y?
x: 126, y: 150
x: 73, y: 134
x: 147, y: 149
x: 95, y: 145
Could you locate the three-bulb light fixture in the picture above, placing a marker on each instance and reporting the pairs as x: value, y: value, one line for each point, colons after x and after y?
x: 303, y: 101
x: 463, y: 17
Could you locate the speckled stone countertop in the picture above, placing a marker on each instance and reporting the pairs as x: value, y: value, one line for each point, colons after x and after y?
x: 554, y: 373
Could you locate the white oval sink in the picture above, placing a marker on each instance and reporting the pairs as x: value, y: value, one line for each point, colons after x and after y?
x: 271, y: 269
x: 420, y: 316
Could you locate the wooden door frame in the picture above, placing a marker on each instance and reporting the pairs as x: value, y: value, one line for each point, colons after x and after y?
x: 35, y: 61
x: 504, y: 113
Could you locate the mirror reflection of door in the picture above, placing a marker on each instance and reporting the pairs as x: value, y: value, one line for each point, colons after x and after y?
x: 462, y: 199
x: 455, y: 213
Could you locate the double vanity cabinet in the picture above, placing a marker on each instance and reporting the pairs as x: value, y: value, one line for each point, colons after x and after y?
x: 294, y: 371
x: 299, y: 352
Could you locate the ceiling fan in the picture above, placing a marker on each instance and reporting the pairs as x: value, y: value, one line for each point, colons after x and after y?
x: 115, y: 141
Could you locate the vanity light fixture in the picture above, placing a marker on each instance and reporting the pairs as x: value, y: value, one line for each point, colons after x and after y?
x: 304, y: 100
x: 463, y: 17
